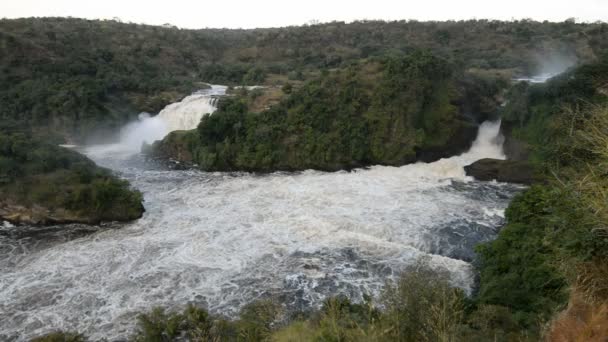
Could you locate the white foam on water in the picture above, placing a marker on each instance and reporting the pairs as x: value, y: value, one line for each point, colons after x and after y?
x: 541, y: 78
x: 183, y: 115
x: 187, y: 114
x: 222, y: 240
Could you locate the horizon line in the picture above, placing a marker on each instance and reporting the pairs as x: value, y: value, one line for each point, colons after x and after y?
x: 315, y: 22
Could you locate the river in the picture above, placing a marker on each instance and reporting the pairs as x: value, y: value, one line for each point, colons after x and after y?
x: 221, y: 240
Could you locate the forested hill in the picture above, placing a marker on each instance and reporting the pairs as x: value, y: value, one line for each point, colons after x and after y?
x: 390, y: 111
x: 78, y: 76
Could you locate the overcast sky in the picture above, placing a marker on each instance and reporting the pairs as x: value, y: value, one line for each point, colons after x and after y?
x: 273, y: 13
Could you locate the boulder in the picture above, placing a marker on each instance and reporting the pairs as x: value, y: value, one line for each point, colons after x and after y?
x: 39, y: 215
x: 515, y: 149
x: 459, y: 142
x: 510, y: 171
x: 175, y: 146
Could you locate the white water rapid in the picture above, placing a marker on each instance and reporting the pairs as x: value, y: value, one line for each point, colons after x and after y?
x: 189, y: 112
x: 183, y: 115
x: 224, y: 239
x: 540, y: 78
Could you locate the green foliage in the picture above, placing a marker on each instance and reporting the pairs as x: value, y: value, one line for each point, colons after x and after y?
x: 254, y: 76
x: 537, y: 113
x: 157, y: 326
x: 555, y: 239
x: 256, y: 323
x: 77, y: 77
x: 584, y: 247
x: 420, y: 306
x: 257, y: 320
x: 287, y: 88
x: 423, y: 307
x: 517, y: 269
x: 193, y: 324
x: 378, y: 112
x: 36, y: 173
x: 60, y: 337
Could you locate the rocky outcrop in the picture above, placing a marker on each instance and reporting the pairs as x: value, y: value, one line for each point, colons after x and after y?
x: 510, y: 171
x: 514, y: 148
x: 39, y: 215
x: 459, y: 142
x: 175, y: 146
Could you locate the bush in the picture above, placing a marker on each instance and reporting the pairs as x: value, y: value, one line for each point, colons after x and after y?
x: 60, y: 337
x: 423, y: 306
x: 36, y: 173
x: 375, y: 112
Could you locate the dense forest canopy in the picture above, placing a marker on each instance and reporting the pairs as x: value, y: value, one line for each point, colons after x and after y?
x: 389, y: 111
x: 82, y: 76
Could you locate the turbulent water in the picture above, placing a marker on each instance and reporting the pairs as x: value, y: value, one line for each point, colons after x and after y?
x: 540, y: 78
x: 224, y: 239
x: 189, y: 112
x: 182, y: 115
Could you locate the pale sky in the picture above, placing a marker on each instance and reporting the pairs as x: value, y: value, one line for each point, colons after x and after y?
x: 274, y: 13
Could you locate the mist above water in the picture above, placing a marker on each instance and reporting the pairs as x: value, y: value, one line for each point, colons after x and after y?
x: 146, y: 130
x: 550, y: 66
x: 183, y: 115
x: 187, y: 114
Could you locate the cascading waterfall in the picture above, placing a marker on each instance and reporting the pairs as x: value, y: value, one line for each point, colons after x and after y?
x: 183, y: 115
x: 221, y: 240
x: 188, y: 113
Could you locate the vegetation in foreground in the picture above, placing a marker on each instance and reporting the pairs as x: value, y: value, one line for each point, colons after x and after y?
x: 554, y: 249
x: 420, y: 306
x: 43, y: 183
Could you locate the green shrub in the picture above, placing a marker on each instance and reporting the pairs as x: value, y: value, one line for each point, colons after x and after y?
x: 374, y: 112
x: 60, y: 337
x: 34, y: 172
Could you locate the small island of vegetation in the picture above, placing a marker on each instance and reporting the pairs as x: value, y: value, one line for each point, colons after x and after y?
x: 41, y: 183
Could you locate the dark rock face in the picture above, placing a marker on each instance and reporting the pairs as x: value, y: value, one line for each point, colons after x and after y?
x: 39, y: 215
x: 514, y: 148
x: 460, y: 142
x: 176, y: 146
x: 510, y: 171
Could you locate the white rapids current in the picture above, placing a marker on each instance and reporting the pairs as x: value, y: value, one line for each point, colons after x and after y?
x: 224, y: 239
x: 182, y: 115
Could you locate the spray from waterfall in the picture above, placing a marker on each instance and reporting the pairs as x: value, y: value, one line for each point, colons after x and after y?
x: 188, y: 113
x: 488, y: 144
x: 549, y: 66
x: 183, y: 115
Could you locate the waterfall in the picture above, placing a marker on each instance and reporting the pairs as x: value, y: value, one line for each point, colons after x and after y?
x: 186, y: 114
x: 183, y: 115
x: 488, y: 144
